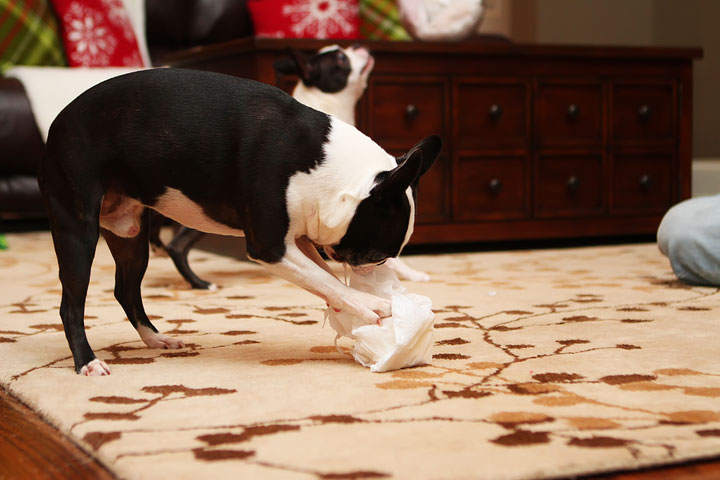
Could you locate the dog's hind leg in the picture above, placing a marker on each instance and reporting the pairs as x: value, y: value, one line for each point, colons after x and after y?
x: 75, y: 237
x: 131, y: 260
x: 156, y: 223
x: 178, y: 250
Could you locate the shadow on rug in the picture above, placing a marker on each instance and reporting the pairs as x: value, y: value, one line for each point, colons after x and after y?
x: 546, y: 363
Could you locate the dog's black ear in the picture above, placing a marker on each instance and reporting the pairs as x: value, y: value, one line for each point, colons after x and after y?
x: 286, y: 66
x: 430, y: 148
x: 295, y: 64
x: 394, y: 182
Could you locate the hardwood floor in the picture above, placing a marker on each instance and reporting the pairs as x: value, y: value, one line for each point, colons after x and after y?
x: 32, y: 449
x: 705, y: 470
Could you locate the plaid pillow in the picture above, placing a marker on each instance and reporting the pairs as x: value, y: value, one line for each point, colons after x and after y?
x: 29, y: 34
x: 380, y: 20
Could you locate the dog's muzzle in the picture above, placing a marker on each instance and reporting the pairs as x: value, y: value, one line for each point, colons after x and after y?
x: 364, y: 269
x: 359, y: 268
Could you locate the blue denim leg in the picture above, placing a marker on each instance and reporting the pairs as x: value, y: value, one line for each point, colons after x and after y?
x: 689, y: 235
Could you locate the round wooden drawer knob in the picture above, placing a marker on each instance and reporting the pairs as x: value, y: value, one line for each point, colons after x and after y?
x: 644, y: 112
x: 573, y: 183
x: 573, y: 111
x: 645, y: 181
x: 495, y: 185
x: 411, y: 111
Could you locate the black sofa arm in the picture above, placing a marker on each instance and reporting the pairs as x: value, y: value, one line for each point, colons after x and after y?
x: 20, y: 141
x: 20, y: 197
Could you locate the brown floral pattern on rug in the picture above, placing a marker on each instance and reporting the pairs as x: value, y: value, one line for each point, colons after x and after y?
x: 545, y: 363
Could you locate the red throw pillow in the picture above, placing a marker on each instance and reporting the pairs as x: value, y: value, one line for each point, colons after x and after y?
x: 97, y: 33
x: 305, y: 18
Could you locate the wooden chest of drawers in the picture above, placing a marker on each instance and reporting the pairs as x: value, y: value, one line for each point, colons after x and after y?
x: 540, y: 141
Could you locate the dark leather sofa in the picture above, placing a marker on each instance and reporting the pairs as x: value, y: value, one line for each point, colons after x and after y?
x: 171, y: 27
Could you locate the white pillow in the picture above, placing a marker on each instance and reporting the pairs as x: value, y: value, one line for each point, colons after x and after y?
x: 50, y: 89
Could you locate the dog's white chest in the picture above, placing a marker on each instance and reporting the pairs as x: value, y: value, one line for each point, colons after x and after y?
x: 175, y: 205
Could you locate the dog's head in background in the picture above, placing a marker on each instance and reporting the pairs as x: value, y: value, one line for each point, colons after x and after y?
x: 332, y: 80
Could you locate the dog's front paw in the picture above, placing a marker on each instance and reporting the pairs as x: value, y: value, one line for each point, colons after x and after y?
x: 96, y: 368
x: 367, y: 307
x: 158, y: 340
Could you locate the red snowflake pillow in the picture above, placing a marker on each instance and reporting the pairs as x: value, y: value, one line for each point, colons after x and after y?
x: 97, y: 33
x: 305, y: 18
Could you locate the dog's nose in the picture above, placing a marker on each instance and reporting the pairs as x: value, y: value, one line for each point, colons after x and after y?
x: 364, y: 269
x: 358, y: 46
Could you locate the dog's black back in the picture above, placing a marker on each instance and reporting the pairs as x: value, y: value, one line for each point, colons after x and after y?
x: 182, y: 142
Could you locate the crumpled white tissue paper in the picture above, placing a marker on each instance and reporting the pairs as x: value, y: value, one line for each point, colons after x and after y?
x: 403, y: 340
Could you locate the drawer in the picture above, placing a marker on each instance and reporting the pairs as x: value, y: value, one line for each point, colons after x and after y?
x: 569, y: 185
x: 642, y: 112
x: 569, y: 114
x: 641, y: 183
x: 491, y: 113
x: 404, y: 110
x: 490, y: 187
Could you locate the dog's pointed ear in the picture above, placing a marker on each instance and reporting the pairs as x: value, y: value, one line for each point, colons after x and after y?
x: 411, y: 167
x: 396, y: 181
x: 430, y: 148
x: 286, y: 66
x: 296, y: 64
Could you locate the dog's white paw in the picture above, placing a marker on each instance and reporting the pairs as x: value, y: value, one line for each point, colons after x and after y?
x: 406, y: 272
x: 415, y: 276
x: 158, y: 340
x: 96, y: 368
x: 369, y: 308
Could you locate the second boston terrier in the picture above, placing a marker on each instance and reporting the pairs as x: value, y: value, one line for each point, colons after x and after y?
x: 224, y: 155
x: 331, y: 81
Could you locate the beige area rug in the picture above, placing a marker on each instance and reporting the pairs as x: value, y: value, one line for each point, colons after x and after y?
x: 546, y: 363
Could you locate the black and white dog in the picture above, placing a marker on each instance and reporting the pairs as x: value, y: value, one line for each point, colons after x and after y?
x: 223, y: 155
x: 332, y: 81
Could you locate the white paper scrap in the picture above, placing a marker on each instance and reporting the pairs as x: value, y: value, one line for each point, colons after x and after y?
x: 403, y: 340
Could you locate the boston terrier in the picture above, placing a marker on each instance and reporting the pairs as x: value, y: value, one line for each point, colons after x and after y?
x: 332, y: 81
x: 224, y: 155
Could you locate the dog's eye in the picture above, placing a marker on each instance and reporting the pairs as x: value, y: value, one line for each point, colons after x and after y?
x: 343, y: 59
